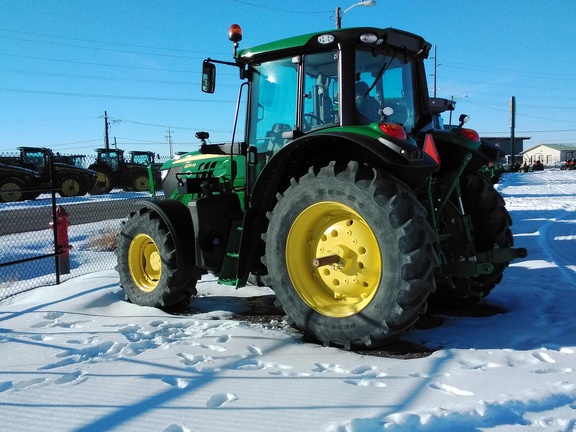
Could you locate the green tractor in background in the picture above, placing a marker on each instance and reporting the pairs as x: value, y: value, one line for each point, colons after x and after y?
x: 115, y: 172
x: 341, y: 196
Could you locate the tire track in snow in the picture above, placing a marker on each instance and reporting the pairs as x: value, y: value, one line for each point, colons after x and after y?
x: 558, y: 239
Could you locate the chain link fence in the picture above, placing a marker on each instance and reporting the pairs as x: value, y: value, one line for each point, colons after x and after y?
x: 48, y: 237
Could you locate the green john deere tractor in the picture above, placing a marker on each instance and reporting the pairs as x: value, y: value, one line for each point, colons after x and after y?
x: 341, y: 195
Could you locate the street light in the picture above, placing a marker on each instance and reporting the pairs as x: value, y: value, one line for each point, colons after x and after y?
x: 360, y: 3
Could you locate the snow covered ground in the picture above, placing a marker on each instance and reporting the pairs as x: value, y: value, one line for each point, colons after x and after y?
x: 76, y: 357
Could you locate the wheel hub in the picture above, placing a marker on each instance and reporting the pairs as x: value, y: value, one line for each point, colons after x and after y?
x: 333, y: 259
x: 144, y: 262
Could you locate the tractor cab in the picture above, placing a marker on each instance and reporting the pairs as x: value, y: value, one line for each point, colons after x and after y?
x: 35, y: 158
x: 113, y: 158
x: 345, y: 89
x: 143, y: 157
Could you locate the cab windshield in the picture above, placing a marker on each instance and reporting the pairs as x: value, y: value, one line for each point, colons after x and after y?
x: 384, y: 89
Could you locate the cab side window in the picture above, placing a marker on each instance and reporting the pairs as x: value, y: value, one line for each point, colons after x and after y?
x: 320, y: 90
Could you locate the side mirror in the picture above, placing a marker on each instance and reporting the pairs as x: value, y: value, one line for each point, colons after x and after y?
x: 208, y: 77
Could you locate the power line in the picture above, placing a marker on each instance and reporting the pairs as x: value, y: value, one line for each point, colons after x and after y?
x: 44, y: 35
x: 105, y: 96
x: 500, y: 71
x: 300, y: 11
x: 96, y: 77
x: 99, y: 64
x: 104, y: 49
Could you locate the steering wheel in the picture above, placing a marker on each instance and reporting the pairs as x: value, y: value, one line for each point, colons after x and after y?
x: 307, y: 125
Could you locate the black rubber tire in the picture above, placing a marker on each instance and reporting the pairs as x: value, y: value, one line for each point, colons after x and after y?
x: 147, y: 279
x: 83, y: 188
x: 12, y: 190
x: 491, y: 223
x: 397, y: 229
x: 70, y: 187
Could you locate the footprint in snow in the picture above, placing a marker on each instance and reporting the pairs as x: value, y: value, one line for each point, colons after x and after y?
x: 56, y: 323
x: 545, y: 357
x: 363, y: 369
x: 365, y: 382
x: 174, y: 427
x: 210, y: 347
x: 73, y: 378
x: 54, y: 315
x: 255, y: 350
x: 21, y: 385
x: 176, y: 382
x: 328, y: 367
x: 193, y: 360
x: 220, y: 399
x: 450, y: 390
x: 223, y: 339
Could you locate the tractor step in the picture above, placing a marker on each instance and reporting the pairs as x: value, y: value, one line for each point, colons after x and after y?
x: 228, y: 273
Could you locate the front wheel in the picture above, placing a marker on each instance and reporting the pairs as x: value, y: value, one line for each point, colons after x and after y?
x: 350, y: 256
x: 11, y: 190
x: 141, y: 183
x: 147, y: 263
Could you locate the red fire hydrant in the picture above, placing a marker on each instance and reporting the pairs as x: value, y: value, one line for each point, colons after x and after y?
x: 62, y: 246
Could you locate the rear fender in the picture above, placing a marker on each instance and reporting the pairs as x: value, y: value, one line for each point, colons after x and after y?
x: 452, y: 148
x: 178, y: 219
x: 403, y: 159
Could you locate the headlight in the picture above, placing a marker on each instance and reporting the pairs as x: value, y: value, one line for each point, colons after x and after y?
x: 164, y: 174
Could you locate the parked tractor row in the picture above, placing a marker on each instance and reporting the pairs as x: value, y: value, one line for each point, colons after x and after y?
x: 36, y: 170
x: 113, y: 171
x: 69, y: 180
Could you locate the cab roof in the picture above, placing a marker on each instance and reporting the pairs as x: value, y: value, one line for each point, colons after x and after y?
x: 389, y: 38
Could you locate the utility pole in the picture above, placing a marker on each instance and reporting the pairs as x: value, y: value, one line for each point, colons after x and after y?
x: 106, y: 127
x: 169, y: 137
x: 512, y: 127
x: 435, y: 66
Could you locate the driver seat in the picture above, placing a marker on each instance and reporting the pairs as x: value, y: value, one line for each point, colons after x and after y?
x: 324, y: 103
x: 274, y: 140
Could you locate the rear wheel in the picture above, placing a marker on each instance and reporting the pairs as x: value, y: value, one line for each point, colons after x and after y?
x: 350, y: 256
x: 11, y: 189
x: 70, y: 187
x: 147, y: 263
x: 491, y: 226
x: 491, y: 222
x: 103, y: 183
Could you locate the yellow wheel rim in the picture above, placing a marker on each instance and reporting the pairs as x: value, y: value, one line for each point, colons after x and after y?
x: 144, y: 262
x: 103, y: 180
x: 348, y: 267
x: 70, y: 187
x: 141, y: 184
x: 11, y: 192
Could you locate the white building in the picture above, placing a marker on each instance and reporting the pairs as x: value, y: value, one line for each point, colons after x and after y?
x: 549, y: 154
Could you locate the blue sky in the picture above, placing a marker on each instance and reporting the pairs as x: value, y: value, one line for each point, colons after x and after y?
x: 64, y: 63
